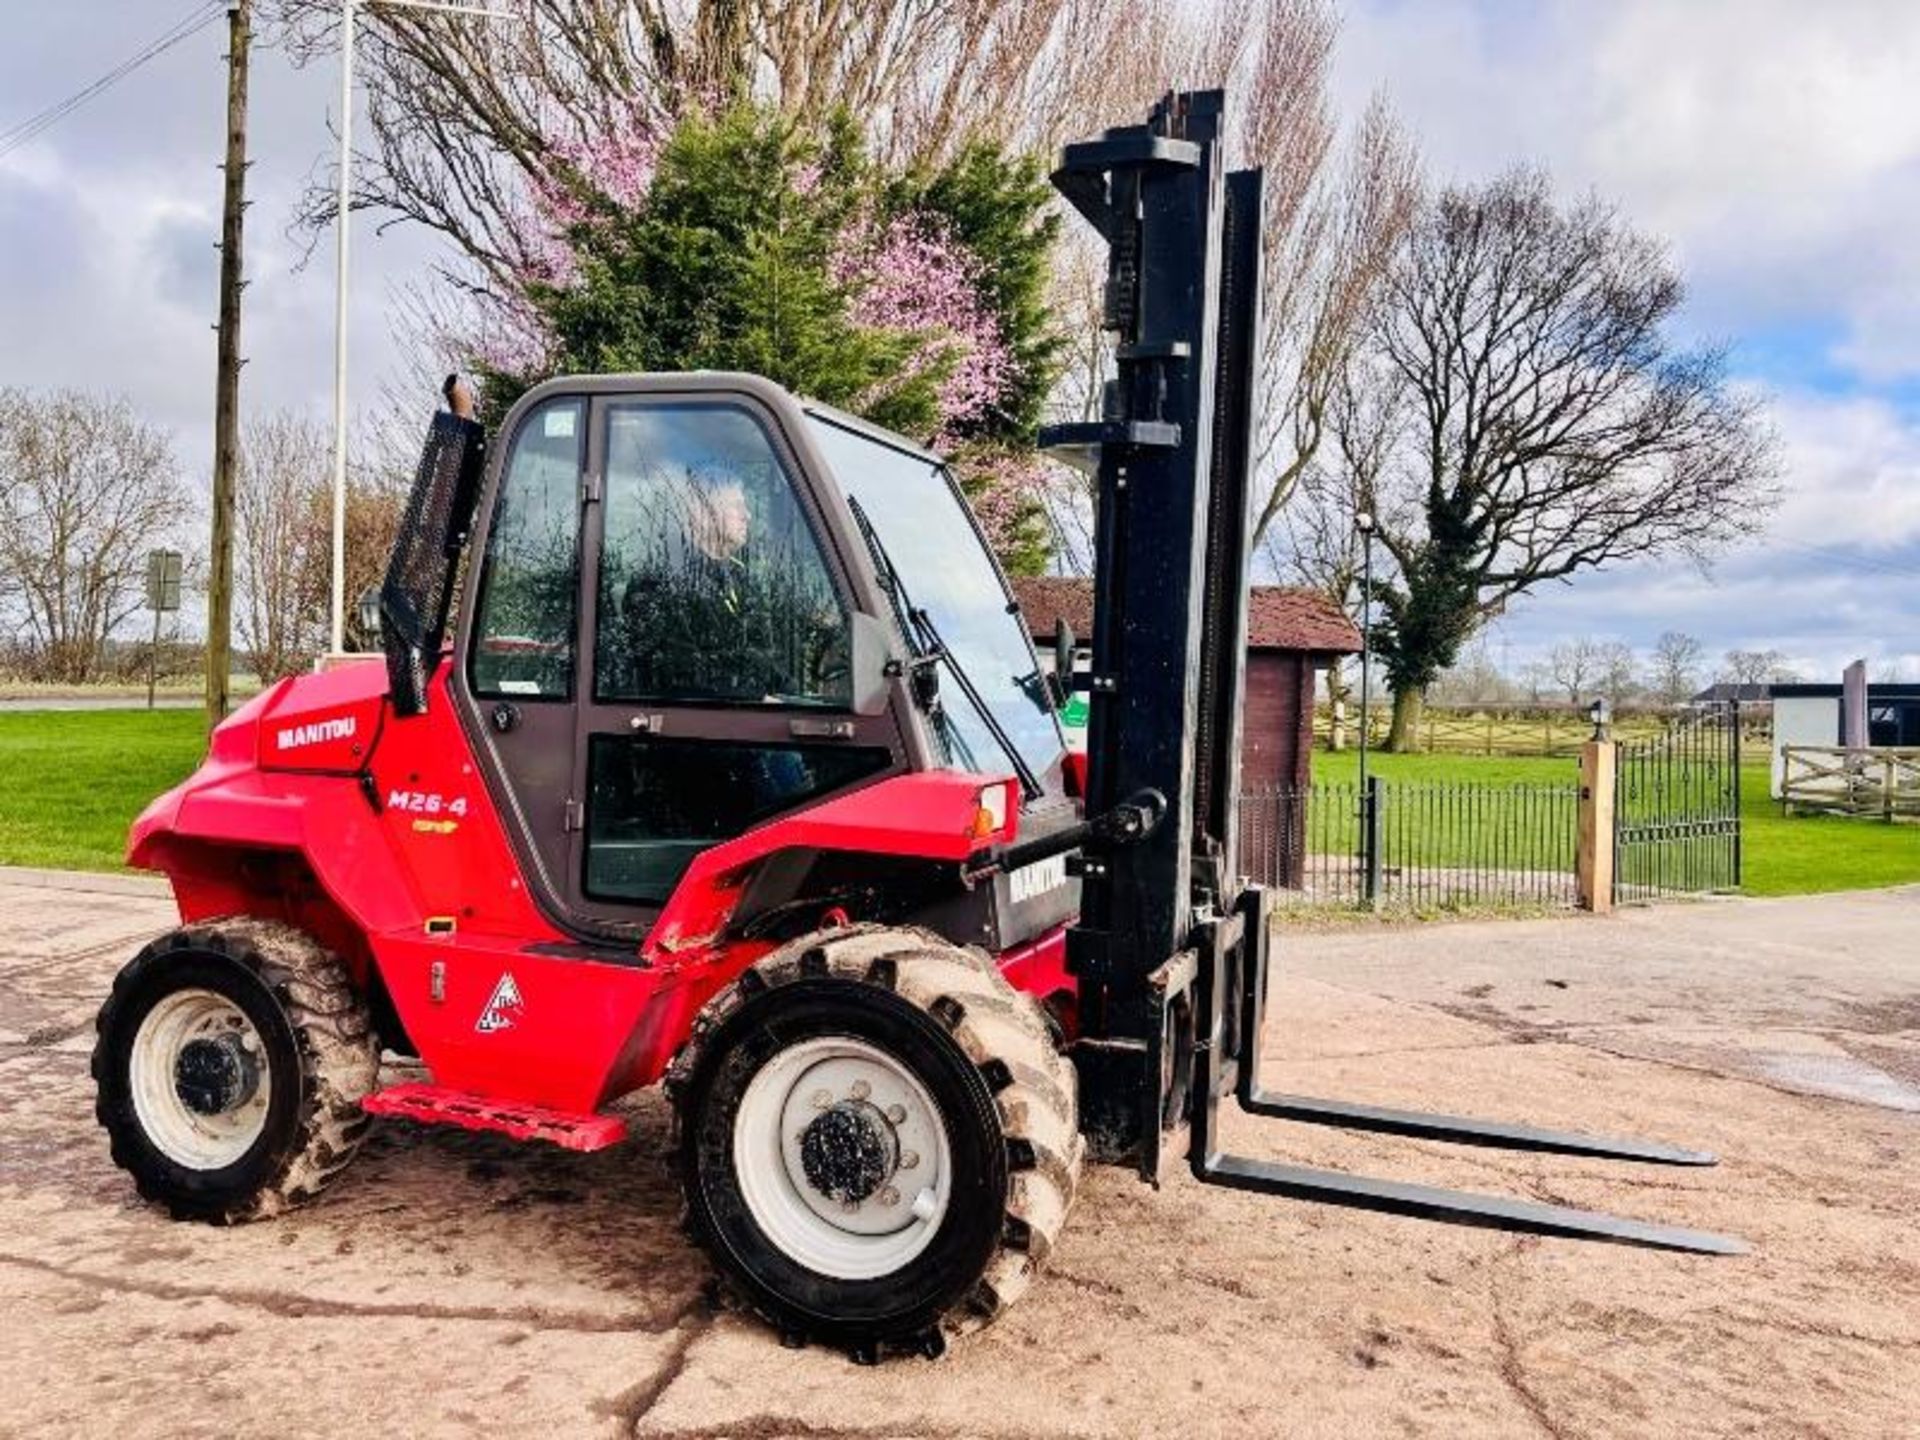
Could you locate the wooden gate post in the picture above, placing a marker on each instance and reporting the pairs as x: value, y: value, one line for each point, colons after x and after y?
x: 1593, y: 846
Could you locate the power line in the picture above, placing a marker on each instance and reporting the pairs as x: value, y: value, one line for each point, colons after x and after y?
x: 194, y: 20
x: 33, y: 126
x: 1841, y: 555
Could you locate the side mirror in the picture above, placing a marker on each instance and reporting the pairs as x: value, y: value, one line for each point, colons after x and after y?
x: 873, y: 664
x: 1060, y: 682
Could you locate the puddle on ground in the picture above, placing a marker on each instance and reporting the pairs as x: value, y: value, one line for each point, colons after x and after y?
x: 1838, y: 1075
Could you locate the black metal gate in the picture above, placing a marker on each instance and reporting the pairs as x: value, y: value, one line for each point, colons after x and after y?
x: 1676, y: 817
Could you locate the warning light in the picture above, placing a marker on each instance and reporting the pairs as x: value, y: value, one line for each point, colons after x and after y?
x: 995, y: 812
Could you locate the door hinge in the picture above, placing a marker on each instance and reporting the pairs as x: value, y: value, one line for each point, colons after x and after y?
x: 572, y: 814
x: 590, y: 488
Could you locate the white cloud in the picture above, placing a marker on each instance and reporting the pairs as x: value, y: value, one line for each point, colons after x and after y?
x: 1835, y: 575
x: 1776, y: 143
x: 1852, y: 471
x: 108, y: 223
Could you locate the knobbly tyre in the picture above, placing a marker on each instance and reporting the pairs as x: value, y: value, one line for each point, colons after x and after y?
x: 739, y: 773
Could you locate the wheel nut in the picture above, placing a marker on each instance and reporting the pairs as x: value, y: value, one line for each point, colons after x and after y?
x: 849, y: 1206
x: 822, y: 1099
x: 897, y: 1114
x: 909, y: 1159
x: 889, y: 1196
x: 859, y: 1090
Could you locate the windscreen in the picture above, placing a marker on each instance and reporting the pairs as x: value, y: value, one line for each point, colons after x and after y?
x: 943, y: 564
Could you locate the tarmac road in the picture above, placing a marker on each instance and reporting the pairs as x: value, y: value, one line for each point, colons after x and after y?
x: 455, y: 1284
x: 15, y: 703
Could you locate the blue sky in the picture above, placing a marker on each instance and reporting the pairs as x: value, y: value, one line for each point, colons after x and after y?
x: 1777, y: 147
x: 1775, y: 144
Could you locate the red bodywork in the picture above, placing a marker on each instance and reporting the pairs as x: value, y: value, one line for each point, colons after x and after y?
x: 376, y: 834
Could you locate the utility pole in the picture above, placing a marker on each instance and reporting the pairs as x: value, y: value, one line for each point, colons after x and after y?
x: 226, y: 401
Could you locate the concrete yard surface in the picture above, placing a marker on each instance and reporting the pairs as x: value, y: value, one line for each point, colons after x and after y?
x: 460, y: 1284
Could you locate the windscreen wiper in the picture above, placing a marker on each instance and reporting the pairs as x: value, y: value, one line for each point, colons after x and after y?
x: 937, y: 648
x: 929, y: 649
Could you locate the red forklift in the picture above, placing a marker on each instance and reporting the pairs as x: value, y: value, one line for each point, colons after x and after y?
x: 739, y: 772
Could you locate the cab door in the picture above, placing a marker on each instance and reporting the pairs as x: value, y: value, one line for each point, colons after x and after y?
x: 716, y: 678
x: 517, y: 681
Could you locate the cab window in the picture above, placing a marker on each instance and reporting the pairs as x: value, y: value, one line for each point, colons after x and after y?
x: 524, y: 621
x: 712, y: 587
x: 654, y: 805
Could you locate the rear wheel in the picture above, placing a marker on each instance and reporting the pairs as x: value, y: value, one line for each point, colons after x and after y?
x: 879, y: 1142
x: 230, y: 1065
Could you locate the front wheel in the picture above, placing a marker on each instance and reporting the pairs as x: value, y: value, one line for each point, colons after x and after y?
x: 231, y: 1062
x: 879, y: 1141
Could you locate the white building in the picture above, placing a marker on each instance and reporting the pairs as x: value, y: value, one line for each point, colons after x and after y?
x: 1810, y: 715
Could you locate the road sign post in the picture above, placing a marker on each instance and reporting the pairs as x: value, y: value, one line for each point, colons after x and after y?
x: 163, y: 597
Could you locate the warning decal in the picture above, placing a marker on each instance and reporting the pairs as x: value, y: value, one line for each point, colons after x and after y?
x: 503, y: 1010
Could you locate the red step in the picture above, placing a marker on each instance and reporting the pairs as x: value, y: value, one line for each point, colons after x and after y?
x: 437, y: 1105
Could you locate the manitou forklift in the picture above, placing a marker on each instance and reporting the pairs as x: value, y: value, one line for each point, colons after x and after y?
x: 738, y: 771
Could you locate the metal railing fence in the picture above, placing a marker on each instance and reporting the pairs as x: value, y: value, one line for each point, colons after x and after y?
x: 1676, y: 809
x: 1413, y: 845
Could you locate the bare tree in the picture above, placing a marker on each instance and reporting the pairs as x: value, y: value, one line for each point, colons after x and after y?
x: 1574, y: 666
x: 89, y: 487
x: 465, y: 113
x: 284, y: 514
x: 1319, y: 543
x: 468, y: 118
x: 1674, y: 673
x: 1617, y: 679
x: 376, y: 504
x: 1323, y: 274
x: 282, y: 572
x: 1319, y: 548
x: 1754, y: 667
x: 1474, y: 679
x: 1555, y: 428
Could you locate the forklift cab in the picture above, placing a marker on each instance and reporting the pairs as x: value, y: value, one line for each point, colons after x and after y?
x: 696, y: 604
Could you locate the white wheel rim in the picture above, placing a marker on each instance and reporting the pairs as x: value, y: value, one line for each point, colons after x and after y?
x: 192, y: 1025
x: 844, y: 1239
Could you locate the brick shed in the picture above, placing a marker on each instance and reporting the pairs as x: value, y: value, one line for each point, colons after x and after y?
x: 1291, y: 635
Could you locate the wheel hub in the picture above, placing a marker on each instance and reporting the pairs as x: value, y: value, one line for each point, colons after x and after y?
x: 842, y: 1157
x: 849, y: 1151
x: 216, y: 1075
x: 200, y: 1079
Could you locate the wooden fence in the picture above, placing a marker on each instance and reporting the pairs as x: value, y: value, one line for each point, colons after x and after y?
x: 1881, y: 781
x: 1521, y: 730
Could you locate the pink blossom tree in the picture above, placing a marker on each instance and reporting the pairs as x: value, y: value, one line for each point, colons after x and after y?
x: 899, y: 278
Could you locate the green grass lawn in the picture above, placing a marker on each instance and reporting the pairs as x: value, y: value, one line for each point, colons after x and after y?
x: 72, y: 781
x: 1343, y: 767
x: 1805, y: 854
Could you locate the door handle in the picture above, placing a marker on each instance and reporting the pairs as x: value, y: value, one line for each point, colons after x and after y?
x: 811, y: 729
x: 505, y: 716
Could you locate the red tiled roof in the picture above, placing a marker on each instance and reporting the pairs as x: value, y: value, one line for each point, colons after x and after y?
x: 1279, y: 617
x: 1285, y: 617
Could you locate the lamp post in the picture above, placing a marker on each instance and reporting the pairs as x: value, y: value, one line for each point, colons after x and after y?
x: 1363, y: 522
x: 342, y: 221
x: 367, y: 609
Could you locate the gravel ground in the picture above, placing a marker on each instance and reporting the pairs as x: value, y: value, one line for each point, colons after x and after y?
x: 454, y: 1284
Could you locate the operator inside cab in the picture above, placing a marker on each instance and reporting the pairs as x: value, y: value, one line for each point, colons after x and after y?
x: 710, y: 583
